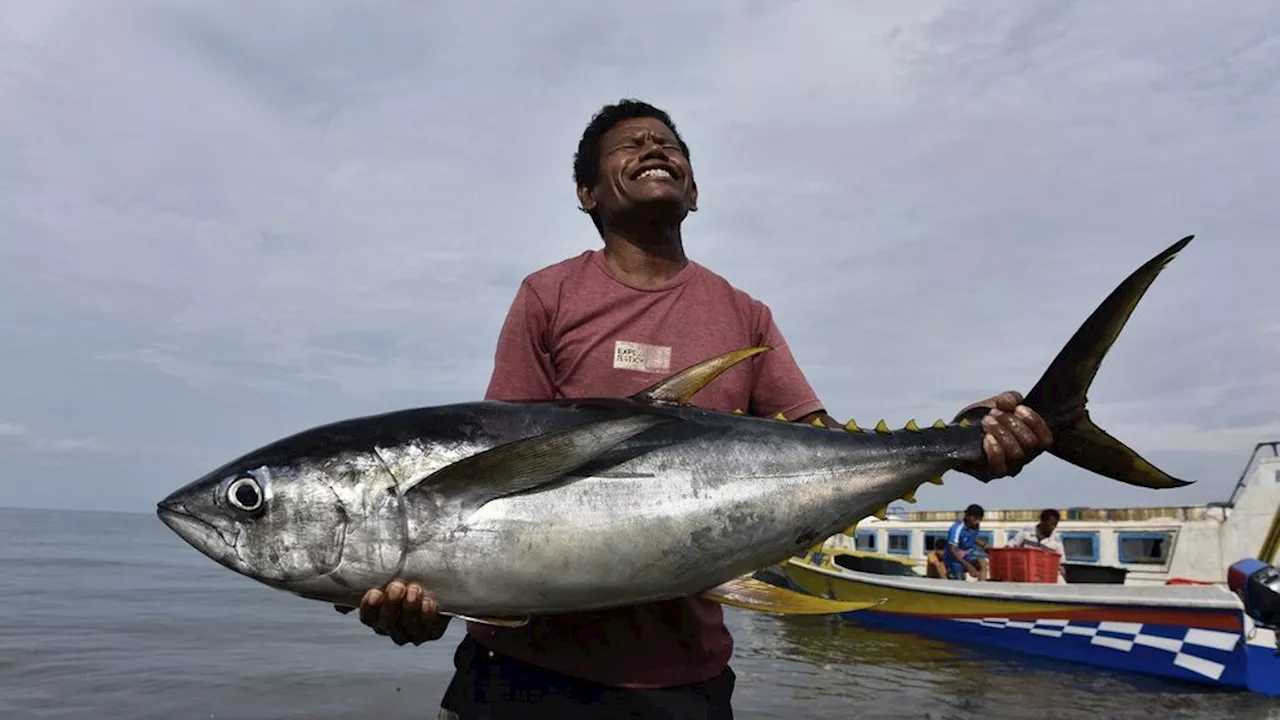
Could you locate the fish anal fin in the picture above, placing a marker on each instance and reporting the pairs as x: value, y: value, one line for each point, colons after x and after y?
x: 530, y: 462
x: 506, y: 622
x: 679, y: 389
x: 747, y: 593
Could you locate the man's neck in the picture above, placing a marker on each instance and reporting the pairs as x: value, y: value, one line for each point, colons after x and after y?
x: 647, y: 258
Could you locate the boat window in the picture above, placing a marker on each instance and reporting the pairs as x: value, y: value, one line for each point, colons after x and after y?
x: 1080, y: 546
x: 900, y: 542
x: 931, y: 537
x: 1009, y: 535
x: 1144, y: 548
x: 866, y: 541
x: 988, y: 537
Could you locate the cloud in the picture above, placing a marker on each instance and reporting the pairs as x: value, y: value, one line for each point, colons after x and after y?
x: 225, y: 223
x: 16, y: 438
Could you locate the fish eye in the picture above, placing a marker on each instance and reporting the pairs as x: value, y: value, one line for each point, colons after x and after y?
x: 245, y: 494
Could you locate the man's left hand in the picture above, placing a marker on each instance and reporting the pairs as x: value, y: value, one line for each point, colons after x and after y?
x: 1015, y: 433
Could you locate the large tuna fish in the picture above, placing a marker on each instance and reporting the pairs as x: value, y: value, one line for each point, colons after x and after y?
x: 506, y: 510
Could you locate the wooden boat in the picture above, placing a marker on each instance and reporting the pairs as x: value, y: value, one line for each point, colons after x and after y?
x: 1198, y: 633
x: 1216, y: 629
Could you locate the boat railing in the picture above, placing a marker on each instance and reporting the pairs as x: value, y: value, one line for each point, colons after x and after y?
x: 1274, y: 445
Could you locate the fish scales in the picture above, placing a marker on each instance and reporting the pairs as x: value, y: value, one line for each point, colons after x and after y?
x: 503, y: 511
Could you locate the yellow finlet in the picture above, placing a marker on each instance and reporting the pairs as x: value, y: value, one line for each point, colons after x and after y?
x: 679, y: 389
x: 911, y: 425
x: 738, y: 411
x: 936, y: 480
x: 852, y: 426
x: 965, y: 423
x: 780, y: 417
x: 939, y: 424
x: 881, y: 427
x: 817, y: 422
x: 909, y: 496
x: 747, y: 593
x: 882, y: 513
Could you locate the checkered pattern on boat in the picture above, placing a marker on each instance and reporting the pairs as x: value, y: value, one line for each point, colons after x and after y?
x: 1186, y: 645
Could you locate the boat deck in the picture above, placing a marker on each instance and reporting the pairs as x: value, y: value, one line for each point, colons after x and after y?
x: 1183, y: 596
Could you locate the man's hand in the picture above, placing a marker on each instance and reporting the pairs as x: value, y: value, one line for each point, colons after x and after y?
x: 1015, y: 433
x: 405, y: 614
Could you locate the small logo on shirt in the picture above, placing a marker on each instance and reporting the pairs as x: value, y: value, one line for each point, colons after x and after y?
x: 642, y: 357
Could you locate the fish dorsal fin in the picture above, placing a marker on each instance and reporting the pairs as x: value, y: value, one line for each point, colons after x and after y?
x: 530, y: 462
x: 680, y: 388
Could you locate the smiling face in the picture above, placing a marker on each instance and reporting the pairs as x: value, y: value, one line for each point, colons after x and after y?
x: 644, y: 175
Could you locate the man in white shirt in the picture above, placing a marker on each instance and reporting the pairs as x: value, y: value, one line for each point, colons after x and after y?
x: 1043, y: 535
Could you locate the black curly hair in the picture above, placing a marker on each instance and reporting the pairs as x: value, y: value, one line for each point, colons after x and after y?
x: 586, y: 161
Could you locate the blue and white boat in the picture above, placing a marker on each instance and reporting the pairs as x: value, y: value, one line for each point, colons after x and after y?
x: 1219, y: 631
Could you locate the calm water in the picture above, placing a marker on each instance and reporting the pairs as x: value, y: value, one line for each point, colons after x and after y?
x: 112, y: 616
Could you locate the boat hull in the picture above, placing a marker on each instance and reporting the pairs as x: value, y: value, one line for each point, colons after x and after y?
x: 1189, y: 633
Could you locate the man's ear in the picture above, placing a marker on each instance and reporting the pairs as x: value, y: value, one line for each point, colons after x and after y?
x: 693, y: 196
x: 586, y: 199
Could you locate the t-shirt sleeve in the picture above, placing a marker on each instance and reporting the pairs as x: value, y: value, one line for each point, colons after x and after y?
x: 522, y: 365
x: 780, y: 386
x: 1054, y: 543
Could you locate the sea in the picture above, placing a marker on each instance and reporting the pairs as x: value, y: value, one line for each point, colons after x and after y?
x: 110, y: 615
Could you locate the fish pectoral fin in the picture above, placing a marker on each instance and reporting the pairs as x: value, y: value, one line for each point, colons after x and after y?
x: 680, y: 388
x: 747, y: 593
x: 506, y: 622
x: 531, y: 462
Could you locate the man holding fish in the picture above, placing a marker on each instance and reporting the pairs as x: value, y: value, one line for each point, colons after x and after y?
x: 607, y: 323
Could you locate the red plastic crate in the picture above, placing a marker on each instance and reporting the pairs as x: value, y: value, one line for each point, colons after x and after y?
x: 1023, y: 565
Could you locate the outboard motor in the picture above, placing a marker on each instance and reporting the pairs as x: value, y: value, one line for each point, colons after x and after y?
x: 1258, y: 585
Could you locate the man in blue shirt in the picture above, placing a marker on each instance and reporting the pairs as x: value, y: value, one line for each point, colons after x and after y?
x: 965, y: 550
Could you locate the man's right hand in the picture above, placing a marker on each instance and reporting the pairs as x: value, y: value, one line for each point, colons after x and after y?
x: 405, y: 614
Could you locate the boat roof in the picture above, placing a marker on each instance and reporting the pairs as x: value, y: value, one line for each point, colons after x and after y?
x: 1179, y: 513
x: 1212, y: 597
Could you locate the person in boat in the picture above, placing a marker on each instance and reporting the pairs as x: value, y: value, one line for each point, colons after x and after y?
x: 608, y: 323
x: 935, y: 561
x: 1042, y: 535
x: 966, y: 551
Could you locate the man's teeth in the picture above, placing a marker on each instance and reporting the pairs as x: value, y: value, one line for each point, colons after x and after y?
x: 654, y: 173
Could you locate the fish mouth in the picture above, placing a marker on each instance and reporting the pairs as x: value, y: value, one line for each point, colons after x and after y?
x: 197, y: 533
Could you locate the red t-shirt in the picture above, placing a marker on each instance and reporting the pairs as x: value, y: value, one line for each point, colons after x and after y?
x: 576, y: 330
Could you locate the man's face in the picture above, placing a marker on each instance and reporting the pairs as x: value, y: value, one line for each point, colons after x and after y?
x: 972, y: 522
x: 1048, y: 525
x: 642, y: 169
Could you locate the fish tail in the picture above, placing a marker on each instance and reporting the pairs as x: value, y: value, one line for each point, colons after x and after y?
x: 1060, y: 396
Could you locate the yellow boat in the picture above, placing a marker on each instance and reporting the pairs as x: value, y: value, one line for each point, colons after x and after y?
x: 1199, y: 633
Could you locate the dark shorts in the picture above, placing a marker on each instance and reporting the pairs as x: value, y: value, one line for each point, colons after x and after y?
x: 488, y: 686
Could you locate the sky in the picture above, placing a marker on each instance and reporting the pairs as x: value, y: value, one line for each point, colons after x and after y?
x: 223, y: 223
